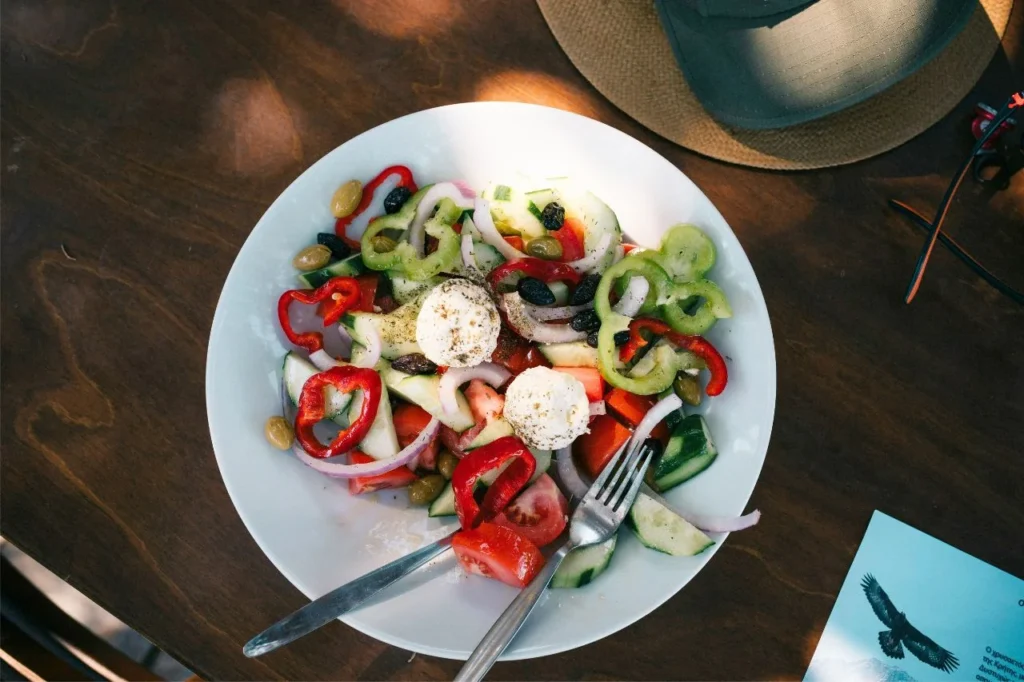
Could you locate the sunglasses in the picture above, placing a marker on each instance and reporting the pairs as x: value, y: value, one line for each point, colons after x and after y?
x: 992, y: 168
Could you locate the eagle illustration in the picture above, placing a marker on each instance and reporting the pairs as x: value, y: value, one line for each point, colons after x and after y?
x: 902, y: 631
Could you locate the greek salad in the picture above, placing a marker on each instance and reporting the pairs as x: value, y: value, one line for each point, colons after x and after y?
x: 495, y: 349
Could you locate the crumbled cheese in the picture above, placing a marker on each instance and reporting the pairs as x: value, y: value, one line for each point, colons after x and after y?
x: 458, y: 324
x: 547, y: 409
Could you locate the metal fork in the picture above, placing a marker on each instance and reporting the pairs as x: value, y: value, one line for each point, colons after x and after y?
x: 598, y: 516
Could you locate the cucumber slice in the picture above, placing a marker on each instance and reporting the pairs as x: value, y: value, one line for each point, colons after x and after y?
x: 380, y: 442
x: 538, y: 199
x: 561, y: 292
x: 346, y: 267
x: 688, y: 252
x: 511, y: 214
x: 487, y: 258
x: 659, y: 528
x: 425, y: 391
x: 397, y: 329
x: 406, y: 290
x: 296, y: 370
x: 444, y: 505
x: 690, y: 451
x: 542, y: 457
x: 597, y: 219
x: 570, y: 354
x: 583, y: 565
x: 499, y: 428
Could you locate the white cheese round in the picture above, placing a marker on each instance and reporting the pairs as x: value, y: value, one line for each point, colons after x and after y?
x: 458, y: 324
x: 547, y: 409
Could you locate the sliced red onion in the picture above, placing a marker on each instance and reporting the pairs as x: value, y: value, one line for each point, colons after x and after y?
x: 564, y: 312
x: 323, y: 360
x: 373, y: 348
x: 527, y: 327
x: 485, y: 224
x: 568, y: 474
x: 469, y: 265
x: 654, y: 416
x: 464, y: 187
x: 705, y: 522
x: 467, y: 437
x: 597, y: 408
x: 442, y: 190
x: 346, y: 342
x: 588, y: 262
x: 493, y: 374
x: 633, y: 297
x: 383, y: 466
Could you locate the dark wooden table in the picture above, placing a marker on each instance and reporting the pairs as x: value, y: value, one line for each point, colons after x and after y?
x: 142, y: 141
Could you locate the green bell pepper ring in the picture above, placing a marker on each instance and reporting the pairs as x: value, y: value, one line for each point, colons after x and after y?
x: 714, y: 307
x: 664, y: 371
x: 403, y: 257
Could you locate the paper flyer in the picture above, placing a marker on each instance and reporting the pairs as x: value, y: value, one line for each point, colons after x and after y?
x: 913, y: 608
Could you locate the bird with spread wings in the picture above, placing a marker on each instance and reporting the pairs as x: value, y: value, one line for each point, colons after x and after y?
x: 902, y: 631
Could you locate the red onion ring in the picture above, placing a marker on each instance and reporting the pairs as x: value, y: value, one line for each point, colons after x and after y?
x: 323, y: 360
x: 633, y: 298
x: 590, y: 261
x: 568, y: 474
x: 338, y: 470
x: 705, y: 522
x: 442, y: 190
x: 654, y: 416
x: 485, y: 225
x: 493, y: 374
x: 469, y: 265
x: 527, y: 327
x: 464, y: 187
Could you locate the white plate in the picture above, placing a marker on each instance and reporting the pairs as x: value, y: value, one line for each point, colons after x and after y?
x: 319, y: 536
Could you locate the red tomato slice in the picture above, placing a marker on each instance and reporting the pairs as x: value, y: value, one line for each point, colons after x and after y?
x: 571, y: 239
x: 399, y: 478
x: 590, y: 377
x: 484, y: 402
x: 410, y: 420
x: 632, y: 408
x: 539, y: 513
x: 516, y: 242
x: 497, y: 552
x: 593, y: 450
x: 367, y: 291
x: 626, y: 248
x: 515, y: 353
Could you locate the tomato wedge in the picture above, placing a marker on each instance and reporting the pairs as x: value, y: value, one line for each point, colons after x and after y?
x: 399, y: 478
x: 539, y: 514
x: 410, y: 420
x: 593, y: 450
x: 571, y: 239
x: 515, y: 353
x: 590, y: 377
x: 515, y: 242
x: 484, y: 402
x: 497, y: 552
x: 631, y: 408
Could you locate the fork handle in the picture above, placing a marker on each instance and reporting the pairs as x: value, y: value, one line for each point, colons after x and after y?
x: 513, y: 617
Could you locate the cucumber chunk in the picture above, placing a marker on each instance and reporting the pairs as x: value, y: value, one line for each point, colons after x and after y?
x: 397, y: 329
x: 690, y: 450
x: 346, y: 267
x: 569, y: 354
x: 296, y: 370
x: 583, y: 565
x: 444, y: 505
x: 660, y: 528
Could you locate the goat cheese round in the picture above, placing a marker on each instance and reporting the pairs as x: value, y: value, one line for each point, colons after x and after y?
x: 547, y: 409
x: 458, y: 324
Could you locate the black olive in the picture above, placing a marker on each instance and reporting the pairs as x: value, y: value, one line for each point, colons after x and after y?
x: 535, y: 291
x: 585, y: 290
x: 395, y: 199
x: 585, y: 321
x: 414, y: 363
x: 339, y: 249
x: 592, y: 339
x: 553, y: 216
x: 621, y: 337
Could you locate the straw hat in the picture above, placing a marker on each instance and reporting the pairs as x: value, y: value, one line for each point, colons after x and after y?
x: 783, y: 84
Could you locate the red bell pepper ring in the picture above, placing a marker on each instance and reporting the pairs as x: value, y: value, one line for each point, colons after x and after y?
x: 404, y: 180
x: 339, y: 295
x: 544, y: 270
x: 345, y: 379
x: 697, y: 345
x: 508, y: 484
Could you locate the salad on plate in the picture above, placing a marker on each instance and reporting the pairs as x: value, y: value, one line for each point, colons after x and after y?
x: 465, y: 341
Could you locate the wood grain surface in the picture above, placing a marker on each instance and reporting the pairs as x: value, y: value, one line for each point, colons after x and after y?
x: 142, y: 141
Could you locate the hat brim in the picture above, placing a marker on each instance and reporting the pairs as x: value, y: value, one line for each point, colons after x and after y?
x: 621, y: 49
x: 780, y: 70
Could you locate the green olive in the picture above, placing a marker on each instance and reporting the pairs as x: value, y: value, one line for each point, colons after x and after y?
x: 425, y: 490
x: 312, y: 258
x: 346, y: 199
x: 446, y: 464
x: 382, y: 244
x: 687, y: 387
x: 279, y: 433
x: 547, y: 248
